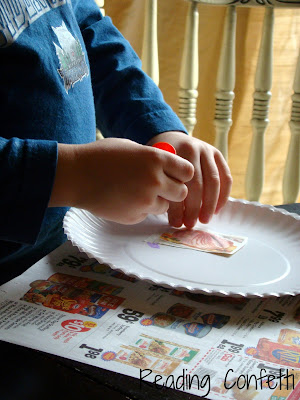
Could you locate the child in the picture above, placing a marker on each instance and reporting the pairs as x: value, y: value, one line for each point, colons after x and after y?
x: 65, y: 70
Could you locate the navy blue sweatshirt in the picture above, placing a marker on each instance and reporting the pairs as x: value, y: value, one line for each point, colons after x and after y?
x: 64, y: 69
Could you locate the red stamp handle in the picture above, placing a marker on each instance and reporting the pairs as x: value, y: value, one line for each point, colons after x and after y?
x: 165, y: 146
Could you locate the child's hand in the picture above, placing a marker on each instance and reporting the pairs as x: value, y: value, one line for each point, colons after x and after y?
x: 210, y: 187
x: 119, y: 180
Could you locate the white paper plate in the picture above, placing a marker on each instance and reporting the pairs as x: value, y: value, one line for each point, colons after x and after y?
x: 268, y: 265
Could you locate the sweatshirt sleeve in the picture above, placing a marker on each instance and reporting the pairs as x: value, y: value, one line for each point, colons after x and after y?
x: 128, y: 103
x: 27, y: 175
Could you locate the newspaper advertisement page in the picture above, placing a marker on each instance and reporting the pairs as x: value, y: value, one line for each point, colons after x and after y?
x: 213, y: 347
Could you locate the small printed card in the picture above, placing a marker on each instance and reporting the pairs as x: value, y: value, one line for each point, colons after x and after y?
x: 199, y: 239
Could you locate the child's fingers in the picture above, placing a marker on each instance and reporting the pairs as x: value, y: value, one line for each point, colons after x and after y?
x: 178, y: 168
x: 211, y: 187
x: 175, y: 214
x: 160, y: 206
x: 225, y: 181
x: 193, y: 200
x: 173, y: 190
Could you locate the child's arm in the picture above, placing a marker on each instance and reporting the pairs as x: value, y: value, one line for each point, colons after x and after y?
x: 127, y: 101
x: 119, y: 180
x: 130, y: 105
x: 27, y: 170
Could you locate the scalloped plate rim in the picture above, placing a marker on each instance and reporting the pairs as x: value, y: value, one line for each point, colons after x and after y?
x: 202, y: 290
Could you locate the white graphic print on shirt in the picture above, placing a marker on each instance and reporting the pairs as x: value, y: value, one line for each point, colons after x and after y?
x: 73, y: 67
x: 17, y: 15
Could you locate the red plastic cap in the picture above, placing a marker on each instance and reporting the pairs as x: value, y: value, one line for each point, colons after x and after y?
x: 165, y: 146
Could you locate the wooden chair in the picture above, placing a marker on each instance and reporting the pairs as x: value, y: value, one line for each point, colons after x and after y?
x: 188, y: 87
x: 224, y: 94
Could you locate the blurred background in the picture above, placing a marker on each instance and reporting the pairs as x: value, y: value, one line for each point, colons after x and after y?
x: 128, y: 16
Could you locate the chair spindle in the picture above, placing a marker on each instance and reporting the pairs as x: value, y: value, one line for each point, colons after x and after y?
x: 225, y: 83
x: 259, y: 122
x: 291, y: 178
x: 150, y: 47
x: 189, y: 74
